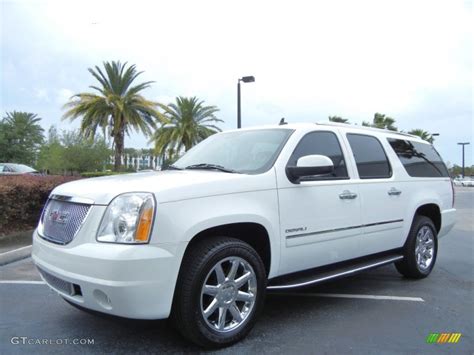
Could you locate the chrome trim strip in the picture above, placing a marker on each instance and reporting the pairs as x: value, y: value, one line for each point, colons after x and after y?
x: 341, y: 229
x: 379, y: 223
x: 348, y: 272
x: 72, y: 199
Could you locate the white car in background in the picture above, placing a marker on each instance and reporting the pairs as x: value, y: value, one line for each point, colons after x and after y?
x: 467, y: 181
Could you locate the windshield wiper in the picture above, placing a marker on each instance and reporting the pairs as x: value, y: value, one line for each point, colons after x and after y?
x: 173, y: 167
x: 206, y: 166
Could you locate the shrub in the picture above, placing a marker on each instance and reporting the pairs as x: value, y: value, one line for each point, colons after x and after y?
x: 101, y: 173
x: 22, y: 198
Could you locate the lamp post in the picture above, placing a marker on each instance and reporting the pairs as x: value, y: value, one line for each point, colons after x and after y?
x: 463, y: 144
x: 245, y: 79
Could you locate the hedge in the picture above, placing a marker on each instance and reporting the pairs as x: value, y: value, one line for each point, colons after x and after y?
x: 22, y: 198
x: 102, y: 173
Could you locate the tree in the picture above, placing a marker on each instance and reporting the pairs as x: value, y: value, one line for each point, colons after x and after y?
x: 84, y: 154
x: 188, y: 123
x: 456, y: 170
x: 422, y: 134
x: 72, y: 152
x: 381, y: 121
x: 50, y: 157
x: 338, y: 119
x: 20, y: 137
x: 116, y: 108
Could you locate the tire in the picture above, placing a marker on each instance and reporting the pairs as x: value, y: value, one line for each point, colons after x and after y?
x: 420, y: 250
x: 207, y: 315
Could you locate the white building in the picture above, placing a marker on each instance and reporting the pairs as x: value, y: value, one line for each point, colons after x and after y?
x: 139, y: 161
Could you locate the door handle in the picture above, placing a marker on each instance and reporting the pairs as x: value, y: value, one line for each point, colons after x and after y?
x: 394, y: 192
x: 347, y: 195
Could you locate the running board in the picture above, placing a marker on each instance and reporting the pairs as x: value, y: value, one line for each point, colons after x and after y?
x: 307, y: 278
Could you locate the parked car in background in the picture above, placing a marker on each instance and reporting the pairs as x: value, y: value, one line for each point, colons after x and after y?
x: 467, y: 181
x: 17, y: 169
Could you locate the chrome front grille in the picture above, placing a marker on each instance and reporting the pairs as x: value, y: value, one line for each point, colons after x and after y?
x: 61, y: 220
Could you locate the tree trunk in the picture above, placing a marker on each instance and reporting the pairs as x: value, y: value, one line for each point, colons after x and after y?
x: 119, y: 143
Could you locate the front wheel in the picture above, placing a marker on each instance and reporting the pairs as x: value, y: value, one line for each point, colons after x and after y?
x: 220, y: 292
x: 420, y: 249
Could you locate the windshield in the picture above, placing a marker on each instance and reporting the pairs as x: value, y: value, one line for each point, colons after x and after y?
x: 249, y: 152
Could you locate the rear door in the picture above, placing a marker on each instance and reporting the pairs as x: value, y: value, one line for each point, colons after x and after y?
x: 320, y: 217
x: 383, y: 200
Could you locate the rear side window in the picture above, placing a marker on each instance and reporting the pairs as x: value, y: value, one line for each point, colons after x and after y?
x: 370, y: 157
x: 321, y: 143
x: 419, y: 159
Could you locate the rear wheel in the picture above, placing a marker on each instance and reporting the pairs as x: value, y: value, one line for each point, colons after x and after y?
x: 220, y: 292
x: 420, y: 249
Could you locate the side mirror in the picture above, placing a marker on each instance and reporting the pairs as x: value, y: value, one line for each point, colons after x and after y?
x: 309, y: 165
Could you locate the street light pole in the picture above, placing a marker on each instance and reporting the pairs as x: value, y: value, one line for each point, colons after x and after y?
x: 463, y: 144
x: 239, y: 120
x: 245, y: 79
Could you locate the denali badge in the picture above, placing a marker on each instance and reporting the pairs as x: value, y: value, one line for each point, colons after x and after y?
x: 58, y: 216
x: 293, y: 230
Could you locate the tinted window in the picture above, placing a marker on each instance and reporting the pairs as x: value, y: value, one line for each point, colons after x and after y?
x: 321, y: 143
x: 372, y: 163
x: 419, y: 159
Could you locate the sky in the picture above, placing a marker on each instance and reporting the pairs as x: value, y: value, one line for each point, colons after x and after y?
x: 411, y: 60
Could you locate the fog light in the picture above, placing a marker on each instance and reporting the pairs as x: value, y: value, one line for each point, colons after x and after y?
x: 102, y: 299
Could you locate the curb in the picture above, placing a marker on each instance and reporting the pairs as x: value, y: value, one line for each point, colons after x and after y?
x: 15, y: 255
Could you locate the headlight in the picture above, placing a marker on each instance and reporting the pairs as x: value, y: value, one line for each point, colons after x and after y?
x: 128, y: 219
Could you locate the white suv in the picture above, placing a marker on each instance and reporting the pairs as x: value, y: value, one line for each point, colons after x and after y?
x: 243, y: 212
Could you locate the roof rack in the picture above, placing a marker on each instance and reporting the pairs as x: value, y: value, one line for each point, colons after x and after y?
x: 338, y: 124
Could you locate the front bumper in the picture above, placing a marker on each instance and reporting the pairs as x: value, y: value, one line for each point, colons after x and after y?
x: 132, y: 281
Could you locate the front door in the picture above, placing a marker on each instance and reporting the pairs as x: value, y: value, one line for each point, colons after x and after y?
x: 320, y: 218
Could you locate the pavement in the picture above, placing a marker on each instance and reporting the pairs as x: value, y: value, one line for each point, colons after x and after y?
x: 375, y: 312
x: 15, y: 246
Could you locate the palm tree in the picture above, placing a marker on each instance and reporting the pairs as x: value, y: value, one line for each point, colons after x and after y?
x: 116, y: 107
x: 188, y: 123
x: 338, y: 119
x: 422, y: 134
x: 20, y: 137
x: 381, y: 121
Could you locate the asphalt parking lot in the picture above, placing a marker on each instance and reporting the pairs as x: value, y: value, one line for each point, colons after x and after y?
x: 375, y: 312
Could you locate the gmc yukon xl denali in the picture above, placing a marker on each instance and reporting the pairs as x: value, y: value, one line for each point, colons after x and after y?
x: 243, y: 212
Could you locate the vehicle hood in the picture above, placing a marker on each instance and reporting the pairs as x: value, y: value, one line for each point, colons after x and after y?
x: 169, y: 185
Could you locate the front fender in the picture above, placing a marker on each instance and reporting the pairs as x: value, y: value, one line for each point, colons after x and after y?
x: 180, y: 221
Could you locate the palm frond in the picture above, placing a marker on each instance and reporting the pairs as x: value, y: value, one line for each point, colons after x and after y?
x: 117, y: 106
x: 187, y: 122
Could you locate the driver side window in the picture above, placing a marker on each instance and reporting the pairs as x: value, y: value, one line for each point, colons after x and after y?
x: 322, y: 143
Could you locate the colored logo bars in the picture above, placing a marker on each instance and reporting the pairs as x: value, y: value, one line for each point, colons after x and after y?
x: 442, y: 338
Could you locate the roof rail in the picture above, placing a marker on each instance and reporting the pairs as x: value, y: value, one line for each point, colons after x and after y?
x: 339, y: 124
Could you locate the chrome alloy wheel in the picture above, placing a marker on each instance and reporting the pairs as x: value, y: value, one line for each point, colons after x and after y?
x: 228, y: 294
x: 424, y: 248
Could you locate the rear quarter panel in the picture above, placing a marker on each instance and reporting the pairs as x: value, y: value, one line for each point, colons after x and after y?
x: 421, y: 191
